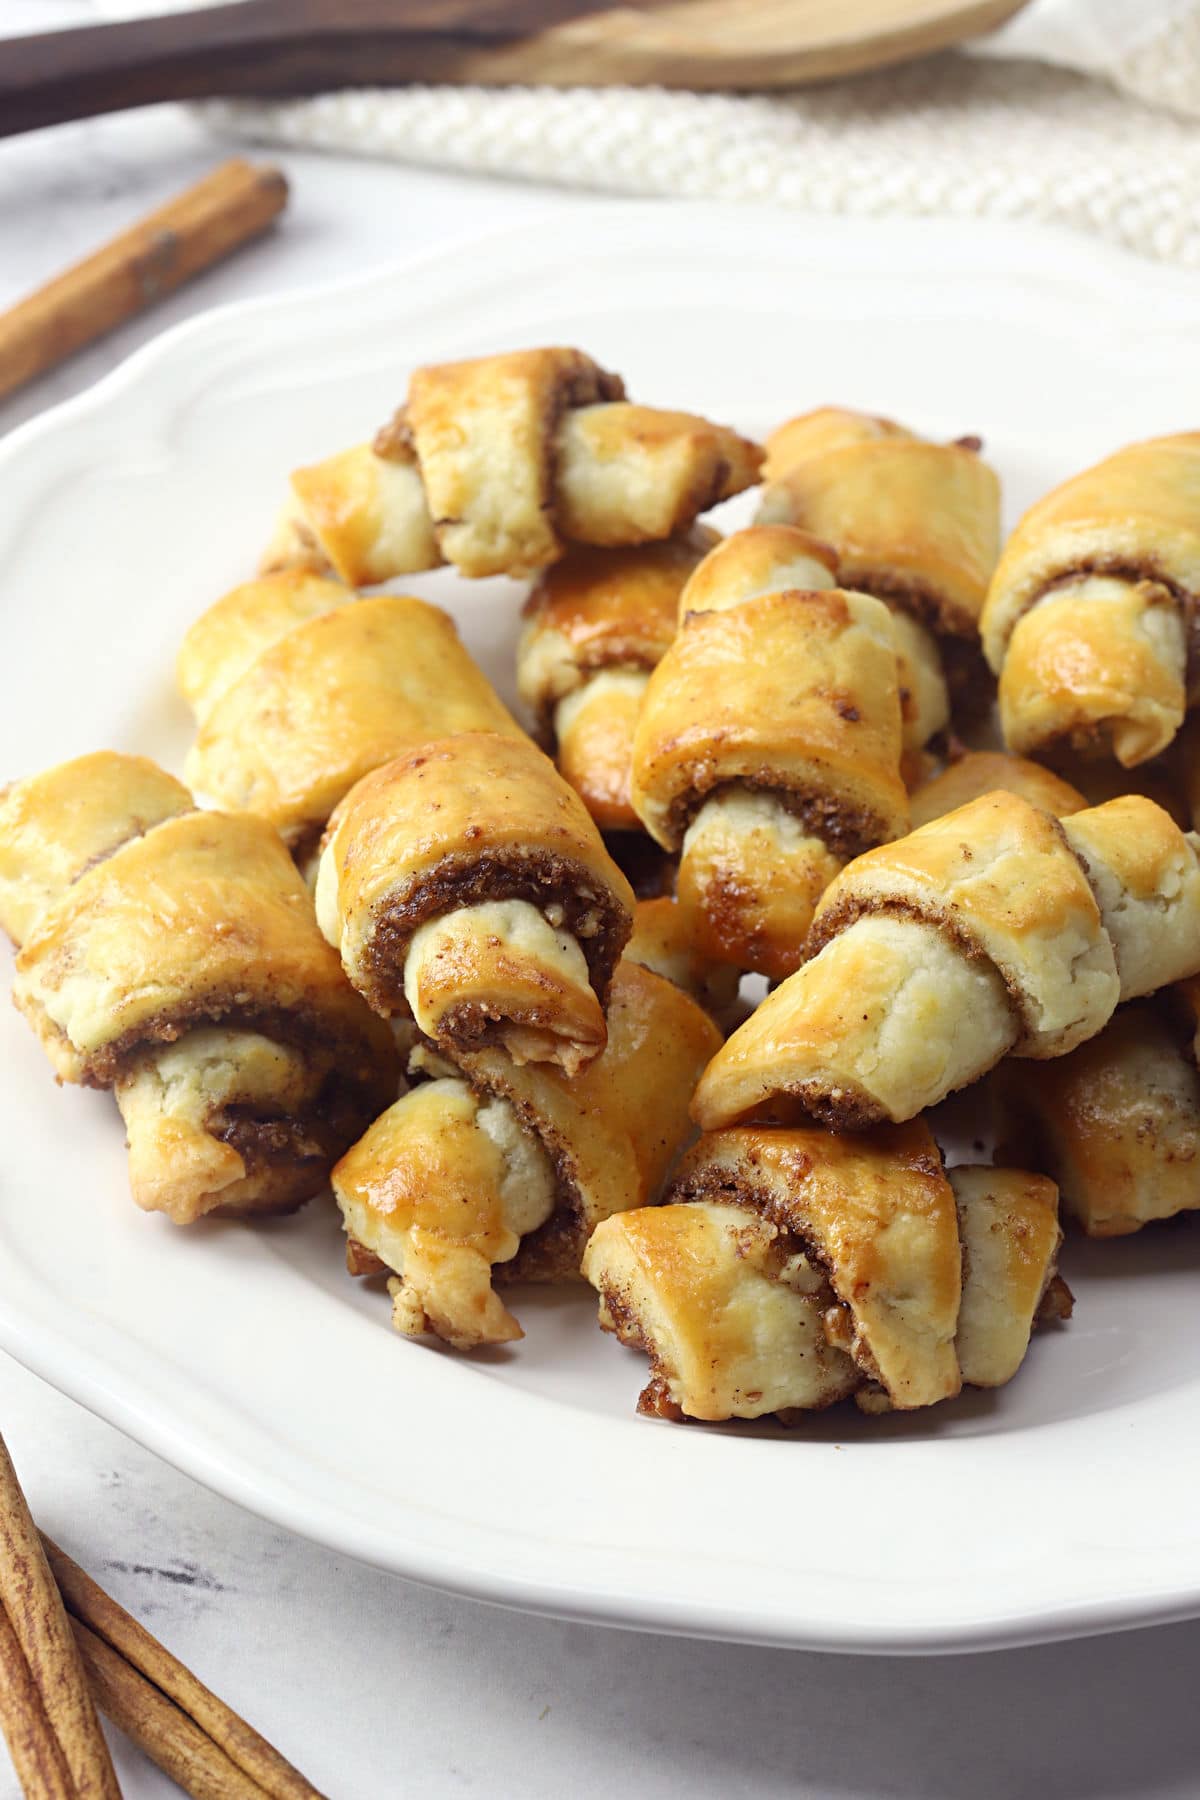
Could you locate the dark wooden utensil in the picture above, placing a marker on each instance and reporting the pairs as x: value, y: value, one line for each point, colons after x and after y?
x: 308, y: 46
x: 256, y: 47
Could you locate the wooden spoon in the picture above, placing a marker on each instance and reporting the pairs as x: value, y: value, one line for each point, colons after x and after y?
x: 308, y: 46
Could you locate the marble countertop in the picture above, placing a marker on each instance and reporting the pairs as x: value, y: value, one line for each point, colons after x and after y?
x: 377, y: 1687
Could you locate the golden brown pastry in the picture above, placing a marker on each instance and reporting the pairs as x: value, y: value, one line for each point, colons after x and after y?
x: 56, y: 825
x: 983, y: 772
x: 495, y: 1171
x: 1143, y: 871
x: 994, y: 928
x: 465, y: 884
x: 173, y: 956
x: 236, y: 630
x: 816, y: 435
x: 763, y: 560
x: 1011, y: 1237
x: 1117, y: 1123
x: 727, y: 1306
x: 497, y: 464
x: 596, y: 623
x: 915, y: 523
x: 300, y: 688
x: 1091, y: 608
x: 768, y: 747
x: 791, y: 1268
x: 663, y: 940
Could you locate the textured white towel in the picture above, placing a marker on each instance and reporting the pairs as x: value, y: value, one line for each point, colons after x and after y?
x: 1079, y: 111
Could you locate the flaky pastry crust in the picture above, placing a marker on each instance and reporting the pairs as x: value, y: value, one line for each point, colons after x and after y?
x: 293, y: 714
x: 910, y: 520
x: 203, y: 919
x: 1000, y: 875
x: 1098, y: 666
x: 499, y: 1172
x: 789, y: 1269
x: 877, y: 1215
x: 498, y: 463
x: 1135, y: 515
x: 1091, y: 614
x: 595, y: 624
x: 436, y: 839
x: 173, y: 955
x: 603, y: 609
x: 1116, y: 1123
x: 768, y: 746
x: 1145, y: 873
x: 993, y: 928
x: 725, y: 705
x: 1010, y: 1234
x: 56, y: 825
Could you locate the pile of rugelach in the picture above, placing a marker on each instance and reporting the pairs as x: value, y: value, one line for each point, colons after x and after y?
x: 487, y: 981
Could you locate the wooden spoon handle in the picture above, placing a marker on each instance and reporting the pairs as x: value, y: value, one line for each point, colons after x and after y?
x: 255, y: 47
x: 58, y: 75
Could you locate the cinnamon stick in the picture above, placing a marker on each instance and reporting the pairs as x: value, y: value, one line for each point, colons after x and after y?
x: 35, y: 1751
x: 162, y: 1729
x: 106, y: 1621
x: 154, y: 257
x: 38, y: 1621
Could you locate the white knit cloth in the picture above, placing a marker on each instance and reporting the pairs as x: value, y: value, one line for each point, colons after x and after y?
x: 1014, y: 128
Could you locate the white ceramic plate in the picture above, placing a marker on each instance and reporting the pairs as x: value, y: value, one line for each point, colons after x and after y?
x: 1058, y: 1506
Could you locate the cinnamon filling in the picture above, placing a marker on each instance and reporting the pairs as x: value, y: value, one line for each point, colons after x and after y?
x: 724, y: 1189
x: 315, y: 1135
x: 582, y: 907
x: 846, y: 831
x: 301, y: 1027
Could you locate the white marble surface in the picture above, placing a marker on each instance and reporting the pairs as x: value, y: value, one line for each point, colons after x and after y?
x: 377, y: 1687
